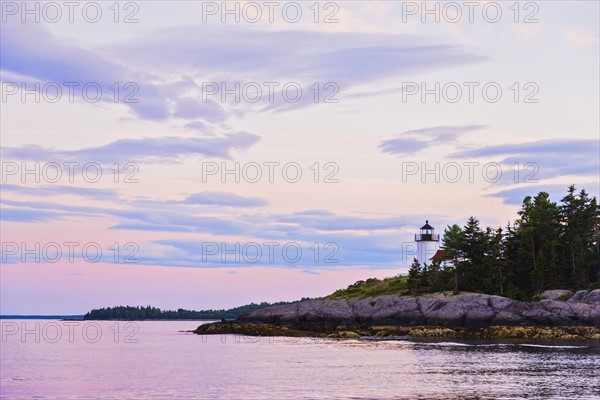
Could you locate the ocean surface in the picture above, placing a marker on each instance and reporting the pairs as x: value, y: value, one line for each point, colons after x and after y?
x: 157, y: 360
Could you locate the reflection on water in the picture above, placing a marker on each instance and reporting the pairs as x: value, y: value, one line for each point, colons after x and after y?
x: 155, y: 359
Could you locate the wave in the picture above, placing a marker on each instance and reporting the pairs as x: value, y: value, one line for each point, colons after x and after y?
x: 547, y: 346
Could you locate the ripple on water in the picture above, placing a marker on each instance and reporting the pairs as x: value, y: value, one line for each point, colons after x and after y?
x: 166, y: 364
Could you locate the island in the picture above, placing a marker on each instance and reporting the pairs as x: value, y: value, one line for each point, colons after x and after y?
x: 444, y: 314
x: 538, y: 277
x: 149, y: 313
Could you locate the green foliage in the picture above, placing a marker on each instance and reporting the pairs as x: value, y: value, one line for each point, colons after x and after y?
x: 595, y: 285
x: 564, y: 297
x: 415, y: 276
x: 371, y: 287
x: 549, y: 246
x: 515, y: 293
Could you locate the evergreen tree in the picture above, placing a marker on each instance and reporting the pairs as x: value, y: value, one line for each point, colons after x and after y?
x: 539, y: 222
x: 494, y: 262
x: 426, y: 273
x: 440, y: 278
x: 452, y: 245
x: 414, y: 275
x: 547, y: 247
x: 470, y: 270
x: 579, y: 220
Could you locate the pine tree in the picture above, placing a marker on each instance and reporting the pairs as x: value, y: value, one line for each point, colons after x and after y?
x: 470, y: 269
x: 452, y: 244
x: 540, y: 221
x: 547, y: 247
x: 414, y: 275
x: 494, y: 261
x: 426, y: 273
x: 579, y: 228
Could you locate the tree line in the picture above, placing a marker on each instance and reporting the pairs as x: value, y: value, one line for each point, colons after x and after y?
x: 549, y: 246
x: 138, y: 313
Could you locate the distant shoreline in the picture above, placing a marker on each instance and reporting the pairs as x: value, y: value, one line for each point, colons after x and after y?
x: 80, y: 318
x: 71, y: 317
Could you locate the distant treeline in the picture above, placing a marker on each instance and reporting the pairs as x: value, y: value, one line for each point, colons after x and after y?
x: 138, y: 313
x: 550, y: 246
x: 41, y: 316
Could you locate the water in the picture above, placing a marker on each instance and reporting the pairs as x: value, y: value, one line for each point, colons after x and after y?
x: 168, y: 364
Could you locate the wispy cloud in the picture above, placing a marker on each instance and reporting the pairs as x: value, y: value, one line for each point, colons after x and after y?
x: 33, y: 52
x: 516, y: 195
x: 373, y: 242
x: 553, y: 158
x: 330, y: 56
x: 411, y: 141
x: 226, y: 199
x: 326, y: 221
x: 60, y: 190
x: 237, y: 54
x: 160, y: 150
x: 12, y: 214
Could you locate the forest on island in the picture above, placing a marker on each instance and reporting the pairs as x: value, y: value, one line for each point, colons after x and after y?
x: 549, y: 246
x: 130, y: 313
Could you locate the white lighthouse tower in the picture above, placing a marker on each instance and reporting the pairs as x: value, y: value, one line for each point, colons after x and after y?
x: 427, y: 243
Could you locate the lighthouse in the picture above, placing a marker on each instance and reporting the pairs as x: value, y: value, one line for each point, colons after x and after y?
x: 427, y: 243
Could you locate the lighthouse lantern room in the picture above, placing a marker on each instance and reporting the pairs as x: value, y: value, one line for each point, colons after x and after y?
x: 427, y: 243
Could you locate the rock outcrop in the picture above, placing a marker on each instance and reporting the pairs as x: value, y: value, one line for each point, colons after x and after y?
x: 556, y: 294
x: 466, y: 310
x: 577, y: 333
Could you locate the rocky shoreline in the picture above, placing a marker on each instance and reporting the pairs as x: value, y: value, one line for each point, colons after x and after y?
x: 496, y: 332
x: 462, y: 316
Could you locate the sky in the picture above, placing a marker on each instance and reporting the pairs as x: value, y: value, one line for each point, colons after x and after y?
x: 206, y: 155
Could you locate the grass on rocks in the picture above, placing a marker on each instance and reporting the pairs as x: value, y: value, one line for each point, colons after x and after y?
x: 372, y: 287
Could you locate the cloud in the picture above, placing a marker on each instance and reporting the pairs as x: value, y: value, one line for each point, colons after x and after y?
x: 191, y: 108
x: 167, y: 220
x: 549, y: 146
x: 307, y: 271
x: 551, y: 158
x: 326, y: 221
x: 159, y: 150
x: 515, y: 196
x: 373, y: 242
x: 247, y: 55
x: 50, y: 211
x: 11, y: 214
x: 581, y: 37
x: 225, y: 199
x: 403, y: 145
x: 196, y: 125
x: 33, y: 52
x: 328, y: 56
x: 306, y: 255
x: 154, y: 216
x: 317, y: 251
x: 411, y: 141
x: 60, y: 190
x: 167, y: 70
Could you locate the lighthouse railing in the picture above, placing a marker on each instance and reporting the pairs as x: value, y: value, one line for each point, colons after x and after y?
x: 423, y: 237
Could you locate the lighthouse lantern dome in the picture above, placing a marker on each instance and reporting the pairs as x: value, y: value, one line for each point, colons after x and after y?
x: 427, y: 243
